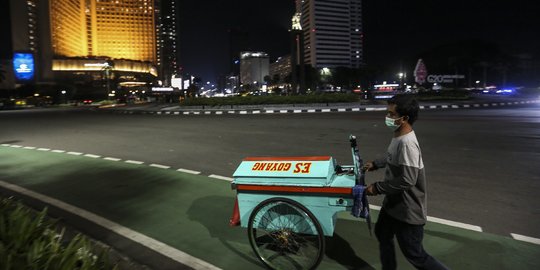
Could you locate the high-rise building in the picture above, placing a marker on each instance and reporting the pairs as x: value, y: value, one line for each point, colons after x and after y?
x: 79, y: 39
x: 253, y: 67
x: 332, y: 32
x: 167, y: 40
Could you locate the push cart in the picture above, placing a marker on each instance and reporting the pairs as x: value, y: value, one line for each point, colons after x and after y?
x: 288, y: 205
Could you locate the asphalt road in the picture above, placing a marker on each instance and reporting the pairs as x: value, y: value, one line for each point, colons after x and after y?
x: 481, y: 164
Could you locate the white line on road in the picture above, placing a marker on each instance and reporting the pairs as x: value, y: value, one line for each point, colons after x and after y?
x: 43, y: 149
x: 29, y: 147
x: 269, y: 111
x: 325, y: 110
x: 15, y: 146
x: 58, y: 151
x: 525, y: 238
x: 159, y: 166
x: 311, y: 111
x: 341, y: 110
x: 188, y: 171
x: 243, y: 112
x: 283, y: 111
x: 433, y: 107
x: 112, y: 159
x: 219, y: 112
x: 297, y: 111
x: 355, y: 109
x: 5, y: 144
x: 92, y: 156
x: 455, y: 224
x: 134, y: 162
x: 220, y: 177
x: 185, y: 113
x: 125, y: 232
x: 256, y: 112
x: 74, y: 153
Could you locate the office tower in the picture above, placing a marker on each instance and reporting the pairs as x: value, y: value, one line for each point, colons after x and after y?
x: 118, y: 29
x: 332, y: 32
x: 253, y: 67
x: 167, y: 40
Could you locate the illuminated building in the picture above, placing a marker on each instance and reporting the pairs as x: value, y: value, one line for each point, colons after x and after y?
x: 253, y: 67
x: 281, y: 68
x: 70, y: 38
x: 332, y: 32
x: 167, y: 40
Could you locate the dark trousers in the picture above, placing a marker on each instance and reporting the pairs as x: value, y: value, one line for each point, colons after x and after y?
x: 409, y: 238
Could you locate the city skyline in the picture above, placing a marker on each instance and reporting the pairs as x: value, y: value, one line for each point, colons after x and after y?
x: 396, y: 33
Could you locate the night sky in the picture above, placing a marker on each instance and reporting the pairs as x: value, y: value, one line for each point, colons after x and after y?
x: 395, y: 32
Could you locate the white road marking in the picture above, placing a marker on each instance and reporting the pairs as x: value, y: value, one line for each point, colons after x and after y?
x: 466, y: 106
x: 29, y: 147
x: 43, y: 149
x: 444, y: 106
x: 311, y: 111
x: 269, y: 111
x: 207, y: 112
x: 341, y: 110
x: 134, y: 162
x: 15, y: 146
x: 5, y: 144
x: 231, y: 112
x: 256, y: 112
x: 219, y: 112
x: 188, y: 171
x: 325, y: 110
x: 455, y: 106
x: 128, y: 233
x: 221, y: 177
x: 196, y: 113
x: 282, y: 111
x: 433, y: 106
x: 525, y: 238
x: 58, y: 151
x: 176, y: 113
x: 159, y: 166
x: 243, y: 112
x: 185, y: 113
x: 92, y: 156
x: 455, y: 224
x: 355, y: 109
x: 112, y: 159
x: 297, y: 111
x: 74, y: 153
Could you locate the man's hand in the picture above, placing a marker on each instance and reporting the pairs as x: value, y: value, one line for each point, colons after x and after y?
x: 368, y: 166
x: 371, y: 190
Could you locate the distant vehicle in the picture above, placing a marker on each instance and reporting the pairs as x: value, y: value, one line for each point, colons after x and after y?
x: 87, y: 101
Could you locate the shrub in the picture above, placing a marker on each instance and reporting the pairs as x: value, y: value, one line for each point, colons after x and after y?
x: 272, y: 99
x: 30, y: 241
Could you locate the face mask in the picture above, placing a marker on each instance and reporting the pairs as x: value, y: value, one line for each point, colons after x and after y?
x: 390, y: 123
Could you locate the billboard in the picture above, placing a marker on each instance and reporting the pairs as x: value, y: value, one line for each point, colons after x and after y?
x: 23, y: 66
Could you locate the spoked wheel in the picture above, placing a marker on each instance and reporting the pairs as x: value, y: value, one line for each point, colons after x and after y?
x: 285, y: 235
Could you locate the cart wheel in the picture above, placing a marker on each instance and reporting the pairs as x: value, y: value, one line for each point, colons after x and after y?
x: 285, y: 235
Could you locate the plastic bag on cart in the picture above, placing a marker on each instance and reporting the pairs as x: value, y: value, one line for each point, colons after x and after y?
x: 360, y: 205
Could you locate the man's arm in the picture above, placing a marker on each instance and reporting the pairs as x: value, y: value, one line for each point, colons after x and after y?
x: 405, y: 181
x: 379, y: 163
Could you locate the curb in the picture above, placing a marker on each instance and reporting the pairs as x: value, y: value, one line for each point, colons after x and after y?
x: 327, y: 110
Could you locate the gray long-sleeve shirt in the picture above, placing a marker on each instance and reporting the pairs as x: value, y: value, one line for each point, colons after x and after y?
x: 404, y: 181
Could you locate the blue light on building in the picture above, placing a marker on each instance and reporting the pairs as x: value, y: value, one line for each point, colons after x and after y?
x: 23, y: 66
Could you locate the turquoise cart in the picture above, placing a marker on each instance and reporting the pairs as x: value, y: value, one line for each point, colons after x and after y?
x: 288, y: 205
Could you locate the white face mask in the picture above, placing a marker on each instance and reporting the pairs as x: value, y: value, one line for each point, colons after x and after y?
x: 391, y: 123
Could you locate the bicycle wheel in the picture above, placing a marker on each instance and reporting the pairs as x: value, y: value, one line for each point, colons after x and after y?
x: 285, y: 235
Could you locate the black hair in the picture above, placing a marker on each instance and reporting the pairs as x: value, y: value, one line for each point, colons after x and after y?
x: 406, y: 105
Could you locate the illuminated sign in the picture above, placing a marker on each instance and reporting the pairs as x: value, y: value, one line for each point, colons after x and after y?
x: 23, y: 66
x: 444, y: 78
x: 162, y: 89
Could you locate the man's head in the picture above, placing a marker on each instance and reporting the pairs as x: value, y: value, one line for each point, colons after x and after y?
x: 403, y: 108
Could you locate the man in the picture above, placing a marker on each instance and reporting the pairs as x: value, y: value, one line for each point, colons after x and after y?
x: 403, y: 213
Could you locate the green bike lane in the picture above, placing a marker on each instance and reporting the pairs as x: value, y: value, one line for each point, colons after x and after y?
x: 191, y: 212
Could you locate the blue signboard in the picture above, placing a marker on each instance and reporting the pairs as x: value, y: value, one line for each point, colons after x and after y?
x: 23, y: 66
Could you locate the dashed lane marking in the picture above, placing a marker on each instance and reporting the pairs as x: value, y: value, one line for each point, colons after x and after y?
x: 188, y: 171
x: 92, y: 156
x: 74, y: 153
x: 525, y: 238
x: 125, y: 232
x: 58, y: 151
x: 29, y: 147
x: 112, y: 159
x: 220, y: 177
x: 134, y: 162
x: 455, y: 224
x: 159, y: 166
